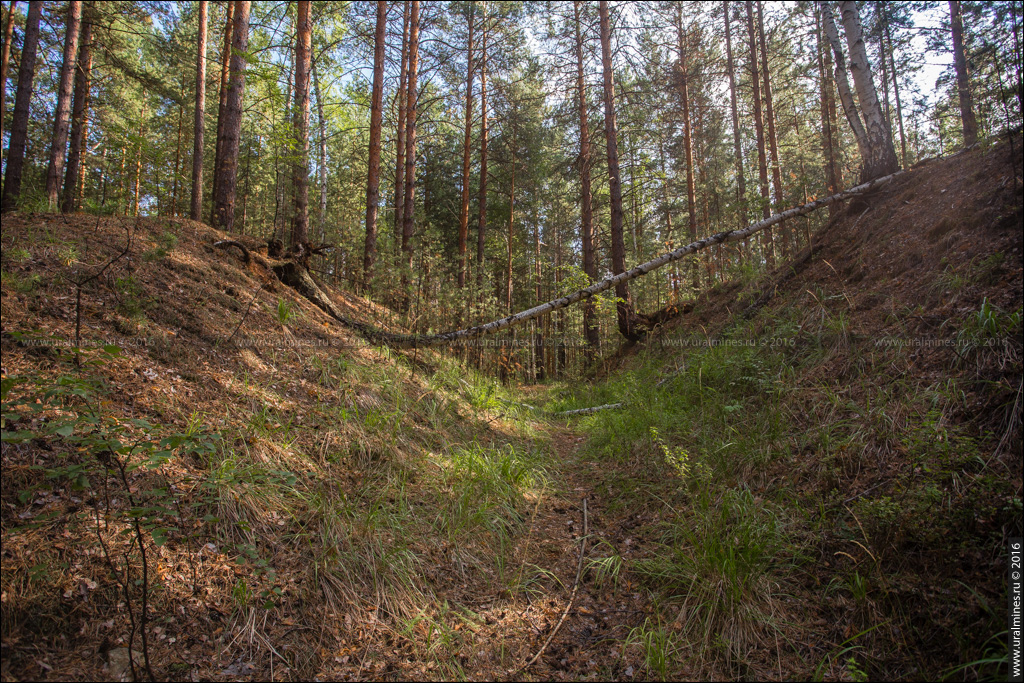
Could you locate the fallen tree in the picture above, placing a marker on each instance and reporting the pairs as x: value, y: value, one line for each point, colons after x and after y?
x: 296, y: 276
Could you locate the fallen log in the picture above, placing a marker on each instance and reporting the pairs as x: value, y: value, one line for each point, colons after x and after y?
x: 295, y: 275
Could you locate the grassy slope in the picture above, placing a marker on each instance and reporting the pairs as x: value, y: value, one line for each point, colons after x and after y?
x: 817, y: 500
x: 378, y: 501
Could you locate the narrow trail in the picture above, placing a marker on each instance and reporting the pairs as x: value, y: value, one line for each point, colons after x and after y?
x: 608, y: 605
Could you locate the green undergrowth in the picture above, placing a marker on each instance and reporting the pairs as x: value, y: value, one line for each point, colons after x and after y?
x: 801, y: 482
x: 403, y: 492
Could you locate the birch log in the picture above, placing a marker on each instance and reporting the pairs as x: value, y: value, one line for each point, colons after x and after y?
x: 297, y: 277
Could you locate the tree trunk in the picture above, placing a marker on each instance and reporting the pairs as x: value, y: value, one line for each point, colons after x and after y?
x: 895, y: 85
x: 842, y: 81
x: 481, y: 226
x: 762, y: 157
x: 177, y: 151
x: 5, y: 62
x: 827, y: 136
x: 590, y: 330
x: 322, y: 219
x: 79, y: 114
x: 199, y: 123
x: 963, y: 84
x: 300, y: 170
x: 62, y: 115
x: 881, y: 159
x: 225, y: 72
x: 511, y: 224
x: 409, y: 213
x: 22, y: 103
x: 226, y: 173
x: 466, y: 157
x: 691, y: 192
x: 373, y: 175
x: 403, y: 88
x: 741, y: 190
x: 138, y: 159
x: 623, y: 307
x: 773, y: 138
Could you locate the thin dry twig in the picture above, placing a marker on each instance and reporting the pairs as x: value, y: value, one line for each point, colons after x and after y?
x: 572, y: 597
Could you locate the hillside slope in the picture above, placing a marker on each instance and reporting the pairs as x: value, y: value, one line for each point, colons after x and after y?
x: 309, y: 505
x: 827, y: 459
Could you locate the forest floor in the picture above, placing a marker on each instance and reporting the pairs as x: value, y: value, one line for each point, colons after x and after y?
x: 823, y: 493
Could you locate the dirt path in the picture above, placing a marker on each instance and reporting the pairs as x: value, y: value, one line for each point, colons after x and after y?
x: 607, y: 606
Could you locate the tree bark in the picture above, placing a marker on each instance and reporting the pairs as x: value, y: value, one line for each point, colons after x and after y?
x: 225, y: 72
x: 590, y: 330
x: 322, y: 219
x: 373, y: 175
x: 79, y: 114
x: 138, y: 159
x: 409, y: 212
x: 842, y: 81
x: 199, y: 122
x: 895, y: 85
x: 481, y: 226
x: 881, y: 159
x: 403, y: 88
x: 963, y: 83
x: 762, y: 157
x: 22, y: 103
x: 226, y: 173
x: 827, y: 136
x: 773, y: 138
x: 741, y: 189
x: 300, y: 169
x: 466, y: 157
x: 691, y: 192
x: 5, y: 62
x: 62, y: 115
x: 511, y: 224
x: 177, y: 152
x: 623, y: 307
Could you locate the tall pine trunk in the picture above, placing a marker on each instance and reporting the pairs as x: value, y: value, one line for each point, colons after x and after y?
x: 623, y: 307
x: 5, y: 62
x: 773, y: 136
x: 895, y: 84
x: 963, y: 83
x: 409, y: 212
x: 466, y: 156
x: 138, y: 160
x: 762, y: 157
x: 828, y: 144
x: 741, y: 190
x: 481, y: 226
x: 226, y: 173
x: 403, y: 87
x: 373, y: 175
x: 511, y: 225
x: 199, y: 120
x: 22, y: 103
x: 79, y: 116
x: 222, y: 98
x: 322, y: 166
x: 684, y: 92
x: 62, y: 116
x: 590, y: 330
x: 300, y: 169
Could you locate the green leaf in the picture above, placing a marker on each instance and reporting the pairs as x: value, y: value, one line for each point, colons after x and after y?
x: 159, y: 536
x: 66, y: 429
